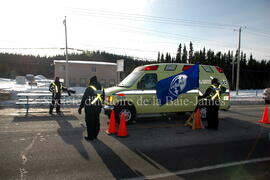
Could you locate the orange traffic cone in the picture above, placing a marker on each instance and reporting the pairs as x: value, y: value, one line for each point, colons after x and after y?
x: 112, y: 126
x: 122, y: 130
x: 265, y: 117
x: 197, y: 123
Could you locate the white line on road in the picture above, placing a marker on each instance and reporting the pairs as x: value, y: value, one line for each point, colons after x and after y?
x: 206, y: 168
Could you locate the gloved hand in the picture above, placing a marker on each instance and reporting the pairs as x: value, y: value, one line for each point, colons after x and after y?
x: 80, y: 111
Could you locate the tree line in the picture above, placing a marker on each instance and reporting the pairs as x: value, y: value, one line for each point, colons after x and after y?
x: 12, y: 65
x: 254, y: 74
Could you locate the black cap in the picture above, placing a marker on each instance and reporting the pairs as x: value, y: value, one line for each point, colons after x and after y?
x: 56, y: 79
x: 215, y: 81
x: 93, y: 79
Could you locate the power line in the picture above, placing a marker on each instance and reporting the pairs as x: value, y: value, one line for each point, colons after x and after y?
x: 27, y: 48
x: 258, y: 34
x: 148, y: 17
x: 129, y: 49
x: 45, y: 48
x: 152, y: 19
x: 167, y: 35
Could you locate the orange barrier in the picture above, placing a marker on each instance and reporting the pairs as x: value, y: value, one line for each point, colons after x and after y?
x: 265, y: 116
x: 112, y: 125
x: 194, y: 120
x: 198, y: 123
x: 122, y: 130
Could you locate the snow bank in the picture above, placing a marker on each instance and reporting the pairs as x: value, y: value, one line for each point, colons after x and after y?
x: 253, y: 96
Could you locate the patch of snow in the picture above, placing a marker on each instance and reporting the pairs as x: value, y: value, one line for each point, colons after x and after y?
x: 252, y: 93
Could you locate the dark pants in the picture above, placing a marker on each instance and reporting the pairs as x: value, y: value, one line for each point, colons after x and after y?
x: 56, y: 102
x: 92, y: 124
x: 212, y: 117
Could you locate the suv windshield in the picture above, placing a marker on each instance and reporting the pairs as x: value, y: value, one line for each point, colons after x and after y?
x: 130, y: 79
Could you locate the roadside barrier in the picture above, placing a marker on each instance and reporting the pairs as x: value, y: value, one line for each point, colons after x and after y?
x: 122, y: 130
x: 265, y: 116
x: 112, y: 125
x: 194, y: 121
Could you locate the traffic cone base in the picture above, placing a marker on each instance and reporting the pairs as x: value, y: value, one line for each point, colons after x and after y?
x: 194, y: 121
x: 122, y: 130
x: 197, y: 124
x: 265, y: 116
x: 112, y: 125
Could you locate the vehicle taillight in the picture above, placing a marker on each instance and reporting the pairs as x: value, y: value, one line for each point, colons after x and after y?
x: 150, y: 68
x: 219, y: 69
x: 121, y: 94
x: 186, y: 67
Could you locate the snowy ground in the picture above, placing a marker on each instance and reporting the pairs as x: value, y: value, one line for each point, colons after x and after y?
x: 253, y: 96
x: 244, y: 96
x: 11, y: 86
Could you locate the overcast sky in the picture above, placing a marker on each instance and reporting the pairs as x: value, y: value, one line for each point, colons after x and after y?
x: 138, y: 28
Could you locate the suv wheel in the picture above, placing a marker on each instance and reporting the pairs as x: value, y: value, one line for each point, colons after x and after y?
x: 129, y: 112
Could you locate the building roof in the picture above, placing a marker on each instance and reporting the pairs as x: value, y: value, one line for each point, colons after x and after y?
x: 85, y: 62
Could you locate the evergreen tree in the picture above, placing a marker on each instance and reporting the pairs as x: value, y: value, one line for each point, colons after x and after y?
x: 162, y: 58
x: 184, y: 56
x: 178, y: 54
x: 190, y: 58
x: 169, y: 58
x: 158, y: 58
x: 203, y: 55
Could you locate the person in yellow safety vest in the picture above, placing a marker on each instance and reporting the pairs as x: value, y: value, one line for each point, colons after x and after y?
x: 92, y: 100
x: 56, y: 88
x: 212, y: 103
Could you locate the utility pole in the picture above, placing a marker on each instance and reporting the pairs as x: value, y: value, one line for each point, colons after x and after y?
x: 233, y: 72
x: 67, y: 75
x: 238, y: 62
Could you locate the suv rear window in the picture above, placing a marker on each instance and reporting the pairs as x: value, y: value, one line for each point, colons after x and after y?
x: 170, y: 67
x: 207, y: 68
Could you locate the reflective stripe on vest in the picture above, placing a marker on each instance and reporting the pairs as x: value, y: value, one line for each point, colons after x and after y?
x: 217, y: 94
x: 98, y: 95
x: 56, y: 87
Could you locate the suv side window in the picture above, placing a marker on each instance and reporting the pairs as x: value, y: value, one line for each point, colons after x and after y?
x: 150, y: 81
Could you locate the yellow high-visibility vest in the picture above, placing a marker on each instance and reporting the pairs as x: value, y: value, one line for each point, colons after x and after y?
x: 56, y: 90
x: 98, y: 95
x: 217, y: 92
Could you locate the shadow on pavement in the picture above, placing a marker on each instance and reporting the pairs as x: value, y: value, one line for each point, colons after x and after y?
x: 114, y: 163
x: 44, y: 118
x: 73, y: 136
x: 236, y: 140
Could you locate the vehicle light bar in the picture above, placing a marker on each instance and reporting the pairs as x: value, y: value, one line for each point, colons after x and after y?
x: 186, y: 67
x: 219, y: 69
x: 151, y: 68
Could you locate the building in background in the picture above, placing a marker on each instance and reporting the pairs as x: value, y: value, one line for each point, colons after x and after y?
x: 81, y: 71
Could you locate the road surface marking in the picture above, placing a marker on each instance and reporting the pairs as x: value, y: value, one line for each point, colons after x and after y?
x: 23, y: 171
x: 205, y: 168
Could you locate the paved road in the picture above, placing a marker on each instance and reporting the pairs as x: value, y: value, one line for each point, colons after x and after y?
x: 52, y: 147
